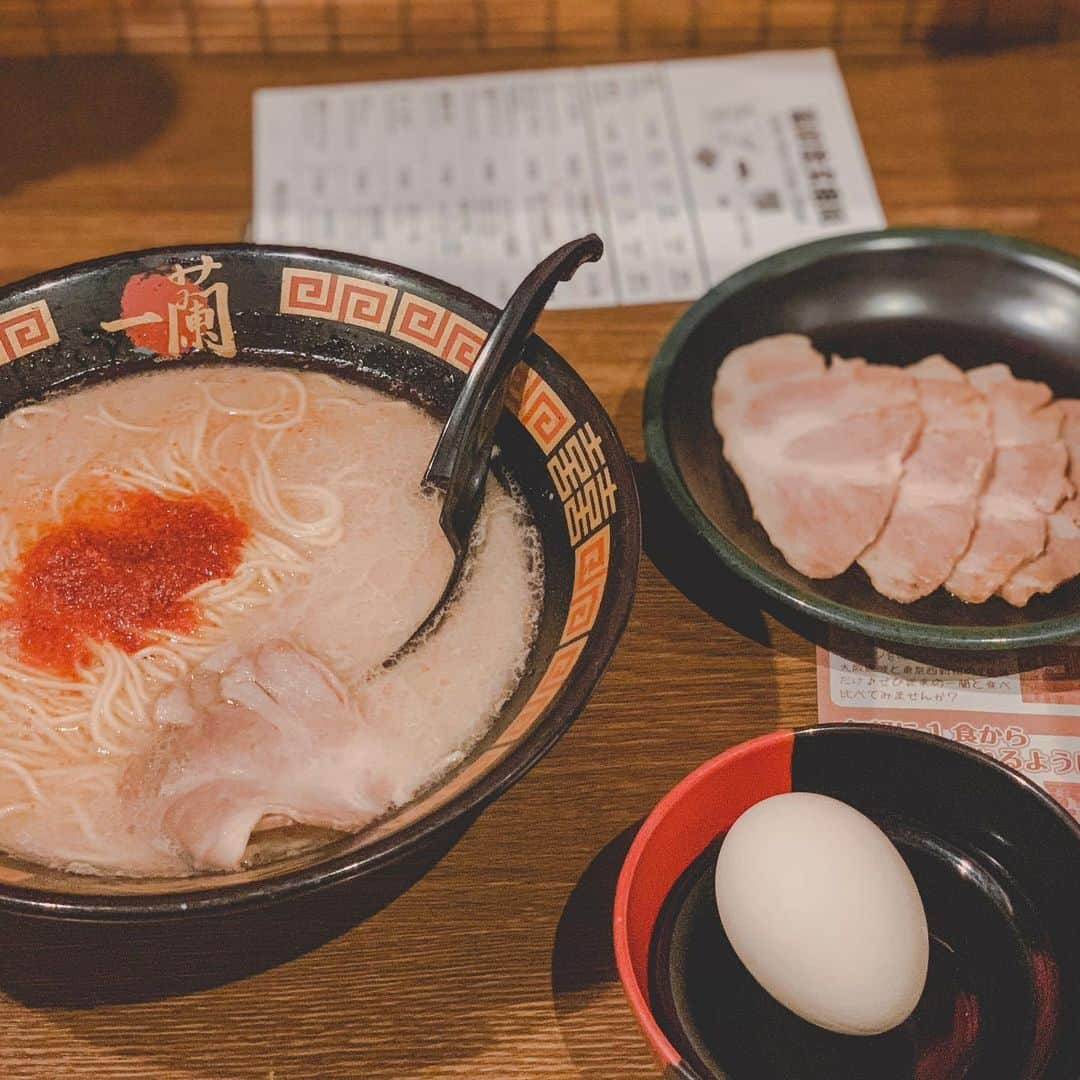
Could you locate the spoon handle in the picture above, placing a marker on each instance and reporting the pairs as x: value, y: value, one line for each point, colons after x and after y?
x: 459, y: 464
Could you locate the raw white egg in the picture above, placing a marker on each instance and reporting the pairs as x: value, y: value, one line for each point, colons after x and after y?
x: 820, y: 907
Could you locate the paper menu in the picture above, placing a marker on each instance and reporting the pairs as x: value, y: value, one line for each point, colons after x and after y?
x: 688, y: 169
x: 1028, y: 719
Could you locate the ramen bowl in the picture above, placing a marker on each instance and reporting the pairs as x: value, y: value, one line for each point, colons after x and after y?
x: 995, y: 860
x: 892, y: 296
x: 414, y: 338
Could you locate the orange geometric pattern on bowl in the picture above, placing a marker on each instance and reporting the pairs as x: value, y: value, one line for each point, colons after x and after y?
x: 562, y: 663
x: 423, y: 323
x: 437, y: 330
x: 457, y: 783
x: 543, y: 413
x: 25, y: 330
x: 591, y: 560
x: 354, y: 301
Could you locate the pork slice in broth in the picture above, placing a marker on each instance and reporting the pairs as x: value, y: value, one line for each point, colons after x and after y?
x: 264, y: 736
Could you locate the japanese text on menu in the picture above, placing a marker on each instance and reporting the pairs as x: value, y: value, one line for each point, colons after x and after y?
x: 687, y: 169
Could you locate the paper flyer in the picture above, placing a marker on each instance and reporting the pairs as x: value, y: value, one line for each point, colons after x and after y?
x: 1028, y: 718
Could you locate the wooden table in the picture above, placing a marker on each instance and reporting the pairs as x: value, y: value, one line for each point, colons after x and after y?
x: 498, y: 962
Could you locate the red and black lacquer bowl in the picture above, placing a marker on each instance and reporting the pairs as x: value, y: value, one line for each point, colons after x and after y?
x: 997, y: 863
x: 413, y: 337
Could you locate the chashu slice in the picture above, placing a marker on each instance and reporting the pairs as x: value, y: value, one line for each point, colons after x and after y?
x: 253, y: 740
x: 819, y: 454
x: 1060, y: 561
x: 934, y: 514
x: 751, y: 368
x: 1027, y: 483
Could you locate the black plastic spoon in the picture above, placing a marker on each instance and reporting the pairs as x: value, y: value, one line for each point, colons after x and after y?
x: 462, y: 456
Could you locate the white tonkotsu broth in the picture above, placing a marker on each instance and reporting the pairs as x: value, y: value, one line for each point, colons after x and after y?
x: 344, y: 558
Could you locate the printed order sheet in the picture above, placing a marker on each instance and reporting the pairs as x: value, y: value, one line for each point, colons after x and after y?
x: 688, y: 169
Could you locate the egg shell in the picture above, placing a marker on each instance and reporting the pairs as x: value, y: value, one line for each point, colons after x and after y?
x: 822, y: 910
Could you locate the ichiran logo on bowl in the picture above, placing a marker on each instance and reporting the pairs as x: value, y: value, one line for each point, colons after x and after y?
x: 171, y: 313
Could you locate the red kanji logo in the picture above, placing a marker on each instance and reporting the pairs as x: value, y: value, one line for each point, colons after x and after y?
x: 172, y: 313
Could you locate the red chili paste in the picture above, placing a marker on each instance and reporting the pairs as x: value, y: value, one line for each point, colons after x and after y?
x: 116, y: 568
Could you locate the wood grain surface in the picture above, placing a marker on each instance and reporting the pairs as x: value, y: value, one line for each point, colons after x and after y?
x: 217, y: 27
x: 497, y: 962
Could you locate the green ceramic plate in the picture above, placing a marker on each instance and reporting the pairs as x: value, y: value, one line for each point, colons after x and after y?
x: 892, y: 296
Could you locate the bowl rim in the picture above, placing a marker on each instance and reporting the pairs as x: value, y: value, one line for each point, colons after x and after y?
x: 769, y: 745
x: 886, y: 627
x: 559, y: 715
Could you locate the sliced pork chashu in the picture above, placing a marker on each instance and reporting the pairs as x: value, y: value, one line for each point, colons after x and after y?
x: 819, y: 452
x: 1027, y: 483
x: 257, y: 739
x: 934, y: 514
x: 1060, y: 561
x: 751, y: 368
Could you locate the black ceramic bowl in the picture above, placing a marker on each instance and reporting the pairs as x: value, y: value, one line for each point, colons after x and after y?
x: 409, y: 336
x: 893, y: 297
x: 997, y: 863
